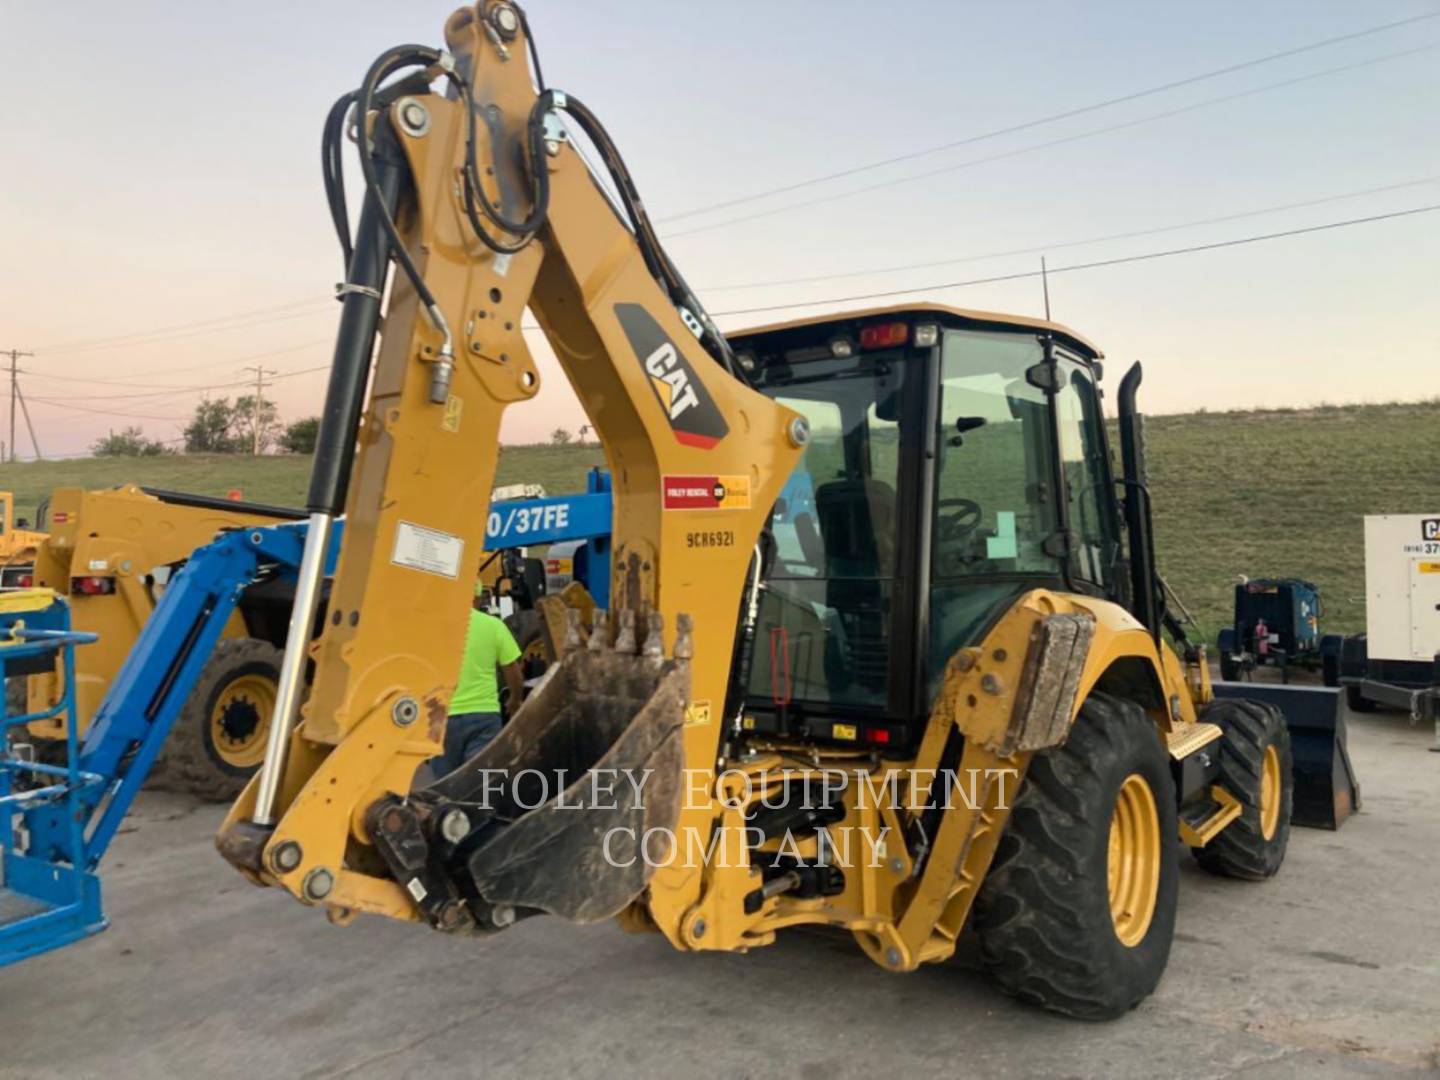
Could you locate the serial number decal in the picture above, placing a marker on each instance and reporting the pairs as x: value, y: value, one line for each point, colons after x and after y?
x: 715, y: 538
x: 705, y: 492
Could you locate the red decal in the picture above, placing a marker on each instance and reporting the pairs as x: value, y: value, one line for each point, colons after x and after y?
x: 693, y: 492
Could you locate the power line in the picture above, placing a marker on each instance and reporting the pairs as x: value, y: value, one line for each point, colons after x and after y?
x: 1053, y: 118
x: 174, y: 390
x: 200, y: 326
x: 103, y: 412
x: 1085, y: 266
x: 1048, y: 144
x: 231, y: 362
x: 1047, y: 247
x: 181, y: 330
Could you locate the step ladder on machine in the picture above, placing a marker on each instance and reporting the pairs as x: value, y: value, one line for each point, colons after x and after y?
x: 49, y: 892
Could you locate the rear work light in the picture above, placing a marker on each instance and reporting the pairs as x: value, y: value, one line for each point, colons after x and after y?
x: 884, y: 335
x: 92, y: 586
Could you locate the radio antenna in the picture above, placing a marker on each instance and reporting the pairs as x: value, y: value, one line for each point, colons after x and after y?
x: 1045, y: 285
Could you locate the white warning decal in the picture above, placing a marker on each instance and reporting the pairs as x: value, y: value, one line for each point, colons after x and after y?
x: 430, y: 550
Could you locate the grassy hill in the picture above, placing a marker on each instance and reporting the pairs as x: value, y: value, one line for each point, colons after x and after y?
x: 1276, y: 493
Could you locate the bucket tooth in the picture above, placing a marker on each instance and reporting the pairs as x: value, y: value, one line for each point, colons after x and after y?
x: 599, y: 632
x: 625, y: 639
x: 555, y: 809
x: 684, y: 639
x: 654, y: 648
x: 573, y: 640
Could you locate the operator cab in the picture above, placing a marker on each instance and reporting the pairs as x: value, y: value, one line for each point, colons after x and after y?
x: 956, y: 460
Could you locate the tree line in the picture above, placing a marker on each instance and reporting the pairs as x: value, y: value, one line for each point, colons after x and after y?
x: 220, y: 426
x: 225, y: 426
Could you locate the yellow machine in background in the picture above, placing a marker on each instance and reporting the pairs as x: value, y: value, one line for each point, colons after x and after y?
x: 18, y: 545
x: 109, y: 553
x: 884, y: 650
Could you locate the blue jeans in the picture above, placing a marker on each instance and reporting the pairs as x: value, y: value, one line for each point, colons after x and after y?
x: 465, y: 735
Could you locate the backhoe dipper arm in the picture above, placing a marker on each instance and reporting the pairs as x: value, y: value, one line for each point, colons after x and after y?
x: 494, y: 212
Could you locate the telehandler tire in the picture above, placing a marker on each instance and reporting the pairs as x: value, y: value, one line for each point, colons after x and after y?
x: 1255, y: 767
x: 219, y: 738
x: 1077, y: 913
x: 1229, y: 667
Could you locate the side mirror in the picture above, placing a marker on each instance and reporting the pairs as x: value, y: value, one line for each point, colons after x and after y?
x: 965, y: 424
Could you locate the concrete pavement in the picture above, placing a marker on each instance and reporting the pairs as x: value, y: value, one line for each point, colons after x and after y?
x: 1333, y: 968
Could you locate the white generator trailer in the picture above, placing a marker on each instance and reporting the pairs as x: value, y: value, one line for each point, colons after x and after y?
x: 1396, y: 662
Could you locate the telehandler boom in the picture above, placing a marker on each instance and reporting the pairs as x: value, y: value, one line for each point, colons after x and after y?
x: 926, y: 688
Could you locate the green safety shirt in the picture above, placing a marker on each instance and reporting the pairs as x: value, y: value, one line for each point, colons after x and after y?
x: 488, y: 642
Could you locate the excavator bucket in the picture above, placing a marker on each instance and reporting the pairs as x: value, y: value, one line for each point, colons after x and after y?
x: 1326, y: 791
x: 567, y: 810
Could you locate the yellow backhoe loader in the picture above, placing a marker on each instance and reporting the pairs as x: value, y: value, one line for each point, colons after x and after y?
x: 111, y: 552
x: 884, y: 650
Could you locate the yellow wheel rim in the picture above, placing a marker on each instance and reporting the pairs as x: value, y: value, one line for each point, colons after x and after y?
x: 240, y: 718
x: 1134, y: 863
x: 1270, y: 793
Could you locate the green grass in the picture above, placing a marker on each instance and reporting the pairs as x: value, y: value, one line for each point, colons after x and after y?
x: 1268, y: 494
x: 1283, y: 493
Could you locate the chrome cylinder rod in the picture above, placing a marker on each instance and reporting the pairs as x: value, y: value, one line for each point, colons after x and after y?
x: 292, y: 667
x: 334, y: 451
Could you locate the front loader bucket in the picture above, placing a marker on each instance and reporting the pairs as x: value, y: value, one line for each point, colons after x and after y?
x: 567, y: 811
x: 1326, y: 791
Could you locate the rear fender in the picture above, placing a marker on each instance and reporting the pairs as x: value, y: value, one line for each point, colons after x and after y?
x: 1021, y: 689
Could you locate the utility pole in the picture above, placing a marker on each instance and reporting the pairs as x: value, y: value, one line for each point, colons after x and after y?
x: 15, y: 355
x: 260, y: 385
x: 25, y: 410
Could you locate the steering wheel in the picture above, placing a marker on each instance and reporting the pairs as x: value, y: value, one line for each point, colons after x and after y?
x: 956, y: 519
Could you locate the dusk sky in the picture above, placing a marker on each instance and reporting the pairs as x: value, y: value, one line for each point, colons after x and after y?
x: 161, y: 169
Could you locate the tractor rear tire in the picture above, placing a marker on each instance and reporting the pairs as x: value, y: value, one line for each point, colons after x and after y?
x: 218, y: 741
x: 1255, y: 767
x: 1077, y: 913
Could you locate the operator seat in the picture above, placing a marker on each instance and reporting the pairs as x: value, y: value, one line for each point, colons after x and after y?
x: 857, y: 522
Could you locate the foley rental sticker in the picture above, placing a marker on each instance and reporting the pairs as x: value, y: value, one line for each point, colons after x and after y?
x: 706, y: 492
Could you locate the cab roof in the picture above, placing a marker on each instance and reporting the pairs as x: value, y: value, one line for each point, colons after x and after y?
x: 949, y: 316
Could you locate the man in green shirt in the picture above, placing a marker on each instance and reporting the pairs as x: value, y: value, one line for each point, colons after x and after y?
x: 475, y: 716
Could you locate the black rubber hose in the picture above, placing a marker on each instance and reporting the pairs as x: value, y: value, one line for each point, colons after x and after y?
x: 534, y: 53
x: 651, y: 250
x: 332, y: 145
x: 355, y: 338
x: 389, y: 62
x: 540, y: 175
